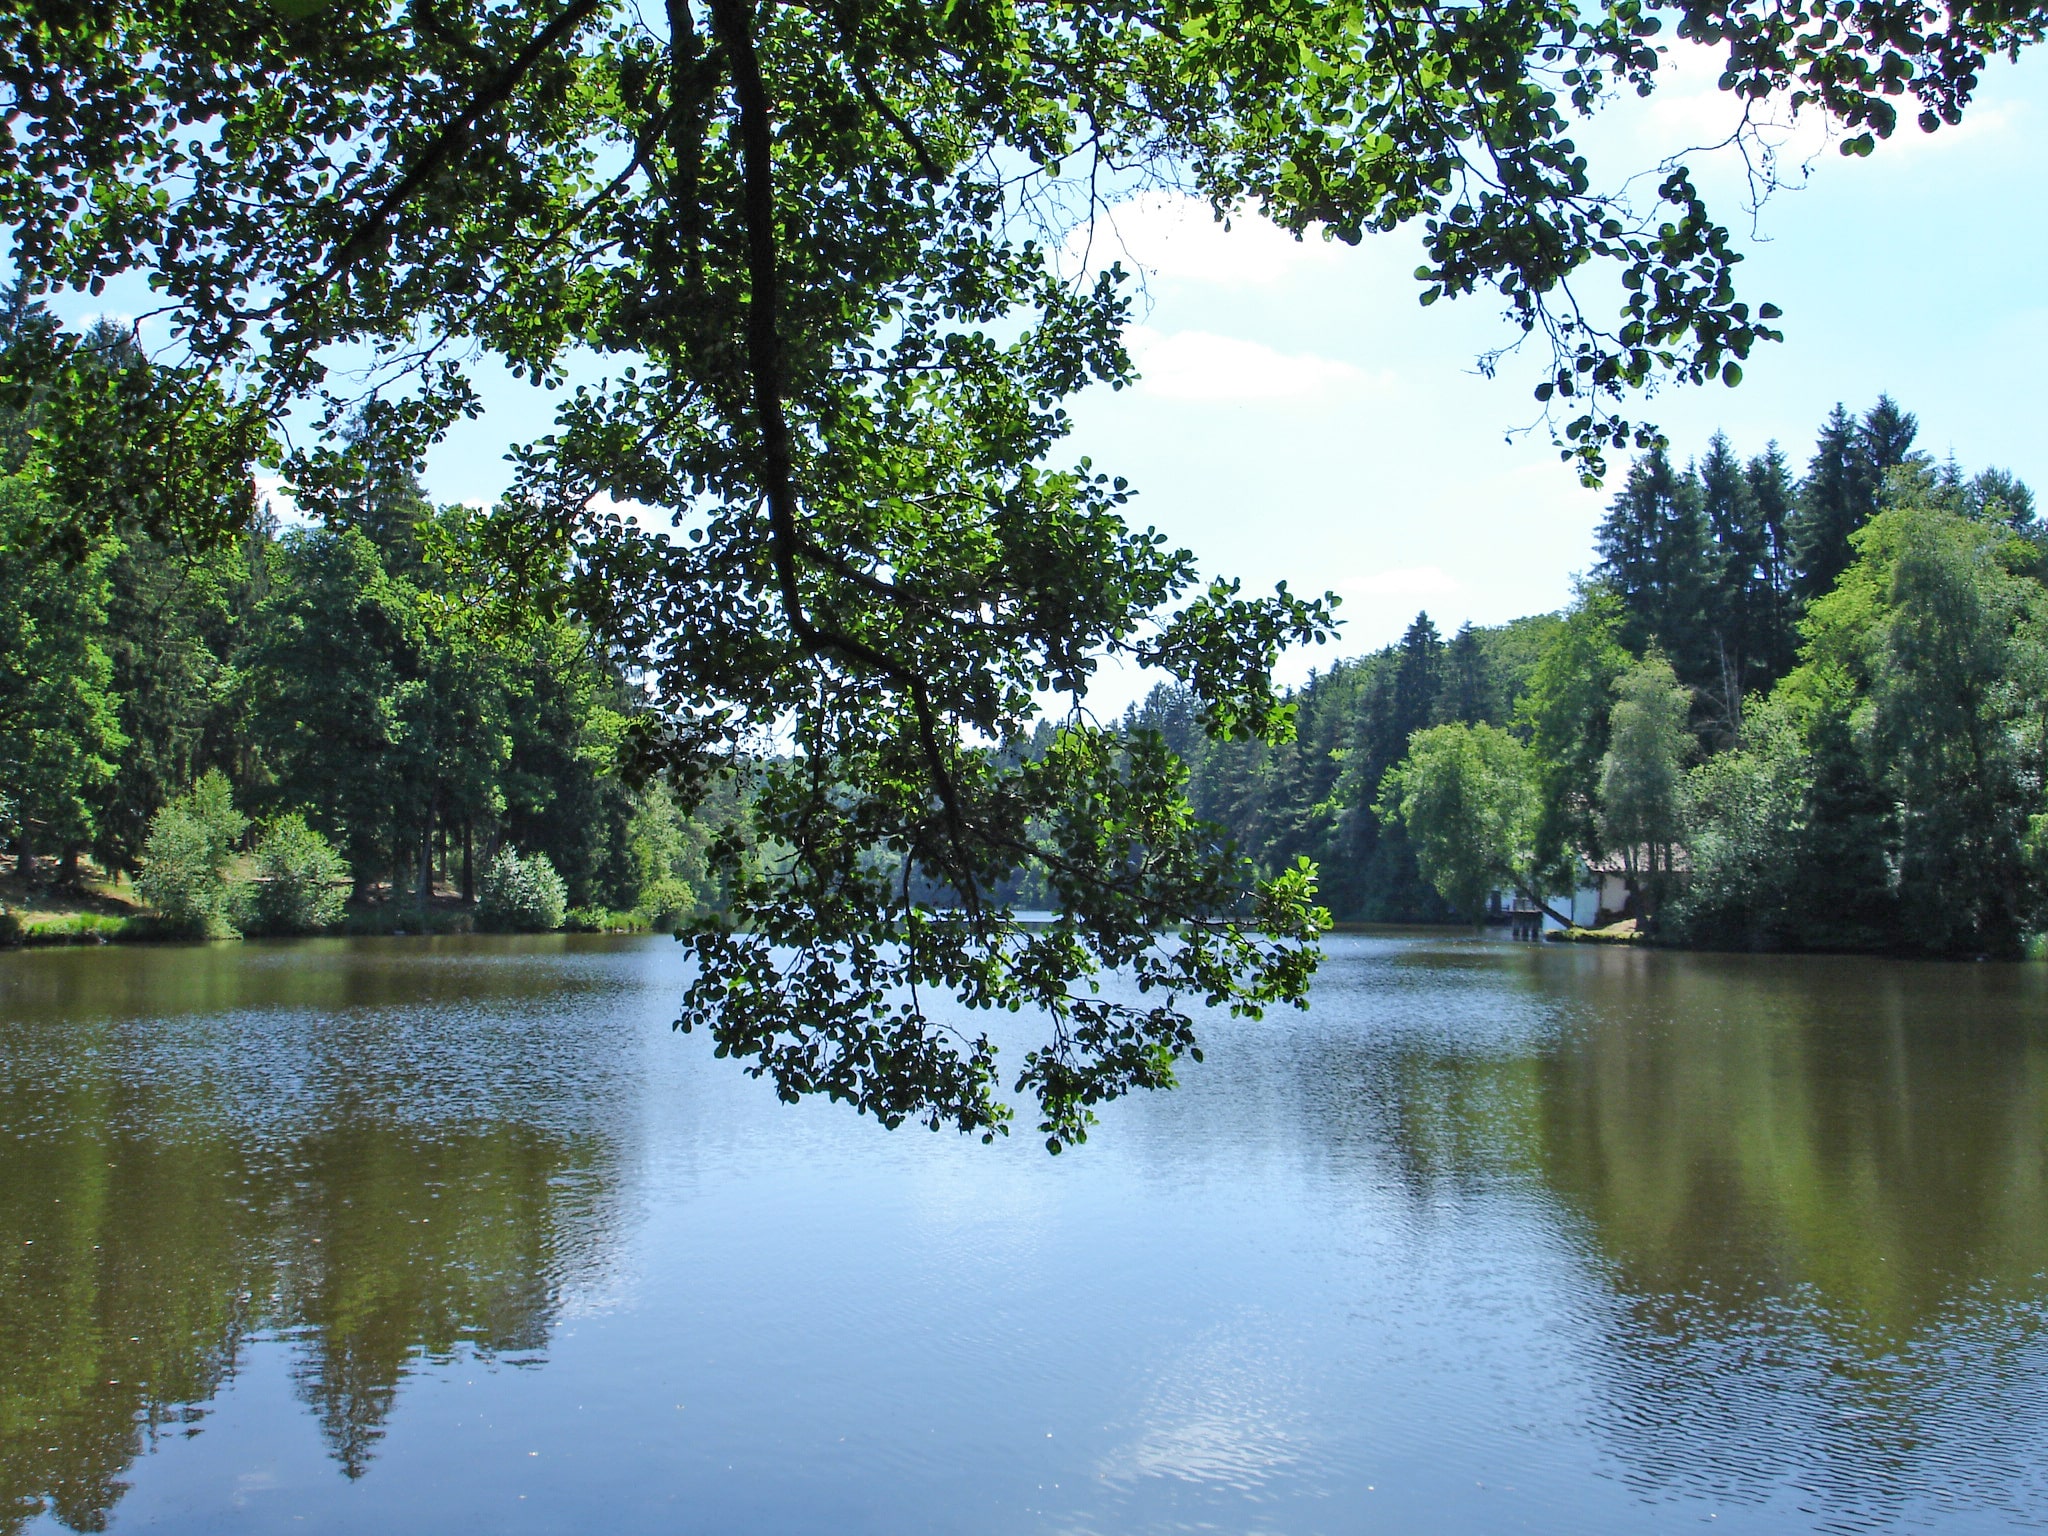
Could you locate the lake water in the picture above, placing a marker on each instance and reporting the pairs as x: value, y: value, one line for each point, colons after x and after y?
x: 429, y: 1235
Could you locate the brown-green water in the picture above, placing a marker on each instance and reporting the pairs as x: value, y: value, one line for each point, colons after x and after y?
x: 410, y: 1235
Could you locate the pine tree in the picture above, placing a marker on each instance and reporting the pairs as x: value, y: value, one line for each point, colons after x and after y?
x: 1999, y: 496
x: 1845, y: 485
x: 1654, y: 552
x: 1390, y: 885
x: 1470, y: 693
x: 1774, y: 498
x: 1832, y: 506
x: 1738, y: 608
x: 380, y: 495
x: 60, y: 733
x: 1884, y: 441
x: 171, y: 635
x: 337, y: 641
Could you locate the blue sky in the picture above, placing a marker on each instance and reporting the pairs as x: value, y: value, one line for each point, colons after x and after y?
x: 1302, y: 418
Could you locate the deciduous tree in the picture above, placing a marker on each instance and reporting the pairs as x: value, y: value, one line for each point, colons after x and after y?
x: 1467, y: 795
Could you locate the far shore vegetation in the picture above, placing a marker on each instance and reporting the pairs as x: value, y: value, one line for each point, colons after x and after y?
x: 1791, y: 709
x: 1794, y: 710
x: 800, y: 597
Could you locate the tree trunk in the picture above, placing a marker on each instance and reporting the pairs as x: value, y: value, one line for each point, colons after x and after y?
x: 67, y: 871
x: 25, y: 853
x: 468, y: 862
x: 427, y: 862
x: 1543, y: 906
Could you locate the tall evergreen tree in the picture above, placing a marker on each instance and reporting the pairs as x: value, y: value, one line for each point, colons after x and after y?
x: 172, y: 633
x: 1655, y: 553
x: 1773, y: 496
x: 1832, y: 506
x: 374, y: 487
x: 1999, y: 496
x: 1738, y: 606
x: 1470, y: 692
x: 60, y: 733
x: 1843, y: 488
x: 338, y: 640
x: 1390, y: 887
x: 1418, y: 678
x: 1884, y: 441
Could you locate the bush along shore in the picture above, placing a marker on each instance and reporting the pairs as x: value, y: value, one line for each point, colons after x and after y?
x: 206, y: 874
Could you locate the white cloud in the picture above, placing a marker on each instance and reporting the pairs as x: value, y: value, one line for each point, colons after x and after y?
x: 1403, y: 581
x: 270, y: 492
x: 1201, y: 365
x: 1170, y: 235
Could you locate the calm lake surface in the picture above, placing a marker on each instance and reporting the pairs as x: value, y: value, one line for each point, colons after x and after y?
x: 430, y: 1235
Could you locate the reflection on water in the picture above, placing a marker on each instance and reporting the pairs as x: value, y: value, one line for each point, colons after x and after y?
x: 1494, y: 1235
x: 1819, y: 1189
x: 236, y: 1166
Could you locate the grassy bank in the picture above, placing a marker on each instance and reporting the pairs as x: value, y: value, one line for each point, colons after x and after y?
x: 101, y: 911
x: 1623, y: 932
x: 95, y: 912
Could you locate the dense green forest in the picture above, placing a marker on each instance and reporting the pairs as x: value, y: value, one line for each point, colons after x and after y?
x: 324, y: 698
x: 1801, y: 710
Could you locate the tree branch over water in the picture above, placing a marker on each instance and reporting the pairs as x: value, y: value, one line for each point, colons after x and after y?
x: 807, y: 251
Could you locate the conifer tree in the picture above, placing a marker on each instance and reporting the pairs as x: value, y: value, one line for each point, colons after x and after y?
x: 1737, y: 616
x: 1831, y: 507
x: 1470, y: 693
x: 1774, y: 497
x: 1654, y: 552
x: 60, y: 733
x: 1844, y: 486
x: 1884, y: 441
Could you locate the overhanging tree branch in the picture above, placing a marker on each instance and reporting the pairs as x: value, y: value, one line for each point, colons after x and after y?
x: 734, y: 27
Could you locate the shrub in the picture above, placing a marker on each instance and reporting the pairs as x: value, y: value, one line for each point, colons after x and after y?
x: 521, y: 895
x: 300, y: 880
x: 179, y: 877
x: 185, y: 860
x: 604, y: 920
x: 10, y: 929
x: 665, y: 903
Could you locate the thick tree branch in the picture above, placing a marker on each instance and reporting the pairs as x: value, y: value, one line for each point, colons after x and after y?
x: 733, y: 24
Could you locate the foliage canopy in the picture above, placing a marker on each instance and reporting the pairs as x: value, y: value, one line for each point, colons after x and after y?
x: 1467, y: 795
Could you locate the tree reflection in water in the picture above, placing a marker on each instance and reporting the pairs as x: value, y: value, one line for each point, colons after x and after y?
x: 169, y: 1191
x: 1648, y: 1230
x: 1809, y: 1184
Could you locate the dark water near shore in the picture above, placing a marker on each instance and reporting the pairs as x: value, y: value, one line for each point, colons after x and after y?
x: 411, y: 1235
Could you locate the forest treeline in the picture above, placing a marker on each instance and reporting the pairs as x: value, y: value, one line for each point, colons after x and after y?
x: 325, y: 698
x: 1795, y: 708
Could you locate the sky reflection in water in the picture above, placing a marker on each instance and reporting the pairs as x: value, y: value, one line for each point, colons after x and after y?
x: 399, y: 1235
